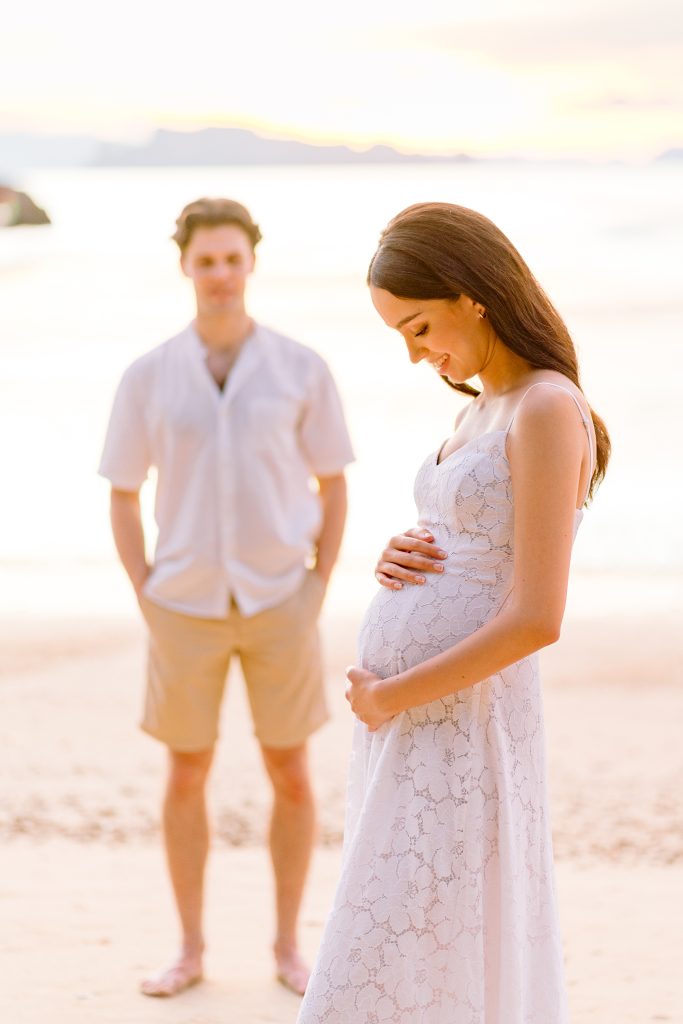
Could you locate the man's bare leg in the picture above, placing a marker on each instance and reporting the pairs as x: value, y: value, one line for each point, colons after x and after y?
x: 292, y: 830
x: 186, y: 835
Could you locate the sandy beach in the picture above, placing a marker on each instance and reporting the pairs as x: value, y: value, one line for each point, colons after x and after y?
x: 85, y: 907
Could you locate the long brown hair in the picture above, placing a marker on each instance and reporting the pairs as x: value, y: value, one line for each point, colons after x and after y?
x: 441, y: 251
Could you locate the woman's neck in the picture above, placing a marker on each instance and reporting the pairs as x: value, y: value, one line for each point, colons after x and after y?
x: 504, y: 372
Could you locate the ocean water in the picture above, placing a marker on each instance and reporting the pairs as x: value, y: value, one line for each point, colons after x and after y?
x: 82, y: 298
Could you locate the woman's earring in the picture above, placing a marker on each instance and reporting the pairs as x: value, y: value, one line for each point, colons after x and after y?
x: 482, y: 315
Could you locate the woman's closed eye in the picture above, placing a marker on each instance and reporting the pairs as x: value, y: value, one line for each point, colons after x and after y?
x: 423, y: 330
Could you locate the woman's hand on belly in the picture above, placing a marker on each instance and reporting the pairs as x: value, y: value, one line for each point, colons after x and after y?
x: 407, y: 557
x: 364, y: 693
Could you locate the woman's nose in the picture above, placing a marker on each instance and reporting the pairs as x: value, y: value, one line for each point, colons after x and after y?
x: 415, y: 353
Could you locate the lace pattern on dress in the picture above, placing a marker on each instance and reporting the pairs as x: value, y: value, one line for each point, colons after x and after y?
x: 445, y: 909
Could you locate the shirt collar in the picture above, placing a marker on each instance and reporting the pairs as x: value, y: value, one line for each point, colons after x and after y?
x: 199, y: 349
x: 248, y: 361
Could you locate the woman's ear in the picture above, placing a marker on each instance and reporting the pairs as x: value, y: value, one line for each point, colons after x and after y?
x: 477, y: 309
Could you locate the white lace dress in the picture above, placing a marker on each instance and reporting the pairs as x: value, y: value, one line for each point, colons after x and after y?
x: 445, y: 910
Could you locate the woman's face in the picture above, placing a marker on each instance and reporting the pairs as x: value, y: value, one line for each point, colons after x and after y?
x: 450, y: 334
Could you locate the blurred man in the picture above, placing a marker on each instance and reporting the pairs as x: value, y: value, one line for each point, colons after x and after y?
x: 239, y: 422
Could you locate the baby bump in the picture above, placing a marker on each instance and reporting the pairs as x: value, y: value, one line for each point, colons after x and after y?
x: 379, y: 630
x: 402, y: 628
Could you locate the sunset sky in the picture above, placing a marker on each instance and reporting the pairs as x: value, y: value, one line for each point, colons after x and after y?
x: 594, y: 78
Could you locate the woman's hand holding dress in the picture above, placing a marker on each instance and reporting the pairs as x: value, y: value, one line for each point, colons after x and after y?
x: 364, y: 693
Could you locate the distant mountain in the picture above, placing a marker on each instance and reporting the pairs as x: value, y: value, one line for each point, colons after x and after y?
x: 207, y: 147
x: 230, y: 146
x: 669, y: 155
x: 217, y: 147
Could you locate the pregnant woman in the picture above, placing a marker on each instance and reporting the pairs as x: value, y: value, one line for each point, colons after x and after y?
x: 445, y: 911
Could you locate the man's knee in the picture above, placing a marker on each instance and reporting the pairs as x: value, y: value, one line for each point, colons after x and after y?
x: 188, y: 773
x: 288, y: 771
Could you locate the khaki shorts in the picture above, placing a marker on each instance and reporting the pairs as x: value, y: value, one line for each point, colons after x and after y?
x: 279, y: 651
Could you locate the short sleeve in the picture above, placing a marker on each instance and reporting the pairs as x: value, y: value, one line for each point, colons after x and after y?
x: 126, y: 455
x: 323, y: 434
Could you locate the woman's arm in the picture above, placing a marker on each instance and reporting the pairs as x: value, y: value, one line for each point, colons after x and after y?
x: 546, y: 448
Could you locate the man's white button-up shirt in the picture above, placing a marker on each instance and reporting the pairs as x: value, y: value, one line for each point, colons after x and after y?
x: 235, y: 507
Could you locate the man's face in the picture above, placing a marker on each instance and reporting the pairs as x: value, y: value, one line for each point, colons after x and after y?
x: 218, y: 261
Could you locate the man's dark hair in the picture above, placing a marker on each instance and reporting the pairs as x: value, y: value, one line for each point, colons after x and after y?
x: 213, y: 213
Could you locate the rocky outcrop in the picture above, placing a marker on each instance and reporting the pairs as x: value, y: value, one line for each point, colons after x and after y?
x: 18, y: 208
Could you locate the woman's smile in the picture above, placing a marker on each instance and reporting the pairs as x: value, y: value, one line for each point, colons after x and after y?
x: 440, y: 363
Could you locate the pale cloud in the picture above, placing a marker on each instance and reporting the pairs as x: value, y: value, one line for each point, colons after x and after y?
x: 629, y: 104
x: 596, y: 31
x: 594, y: 78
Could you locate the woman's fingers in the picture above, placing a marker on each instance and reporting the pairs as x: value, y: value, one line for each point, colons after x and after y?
x: 393, y: 583
x: 404, y: 565
x: 394, y: 571
x: 407, y: 557
x: 419, y: 534
x: 400, y: 572
x: 397, y: 573
x: 407, y: 542
x: 411, y: 560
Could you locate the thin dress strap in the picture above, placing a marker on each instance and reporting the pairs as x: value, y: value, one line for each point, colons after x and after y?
x: 582, y: 414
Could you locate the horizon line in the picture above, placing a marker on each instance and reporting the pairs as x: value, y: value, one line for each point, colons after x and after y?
x: 139, y: 141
